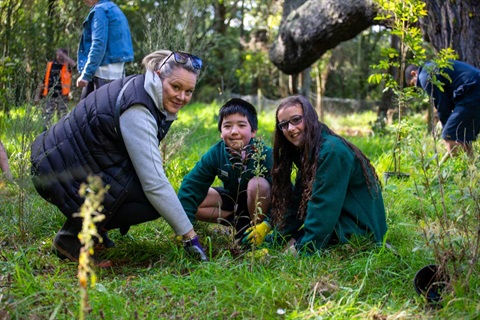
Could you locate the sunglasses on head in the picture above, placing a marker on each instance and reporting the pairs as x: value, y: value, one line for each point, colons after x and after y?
x: 293, y: 120
x: 182, y: 58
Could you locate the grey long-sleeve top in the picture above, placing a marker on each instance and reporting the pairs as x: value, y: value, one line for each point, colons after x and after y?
x: 139, y: 132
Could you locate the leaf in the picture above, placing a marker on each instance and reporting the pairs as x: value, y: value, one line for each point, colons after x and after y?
x: 375, y: 78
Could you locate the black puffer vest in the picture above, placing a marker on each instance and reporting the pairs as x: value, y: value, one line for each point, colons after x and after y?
x: 87, y: 142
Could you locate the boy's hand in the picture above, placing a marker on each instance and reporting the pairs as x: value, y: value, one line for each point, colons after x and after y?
x: 256, y: 234
x: 195, y: 249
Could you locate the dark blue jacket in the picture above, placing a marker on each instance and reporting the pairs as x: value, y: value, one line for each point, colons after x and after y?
x: 462, y: 89
x: 87, y: 142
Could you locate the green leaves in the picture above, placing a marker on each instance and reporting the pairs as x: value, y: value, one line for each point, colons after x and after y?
x: 375, y: 78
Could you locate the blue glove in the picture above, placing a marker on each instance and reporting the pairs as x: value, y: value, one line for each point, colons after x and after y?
x: 195, y: 249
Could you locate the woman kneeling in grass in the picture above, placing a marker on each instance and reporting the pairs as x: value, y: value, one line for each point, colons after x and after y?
x: 336, y: 194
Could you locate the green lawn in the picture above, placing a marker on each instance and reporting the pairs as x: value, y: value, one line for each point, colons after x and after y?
x: 433, y: 218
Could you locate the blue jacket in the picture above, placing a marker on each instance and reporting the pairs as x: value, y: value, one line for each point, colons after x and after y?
x: 462, y: 89
x: 106, y: 39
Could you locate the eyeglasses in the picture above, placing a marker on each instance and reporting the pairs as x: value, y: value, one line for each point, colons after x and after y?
x: 183, y: 57
x: 293, y: 121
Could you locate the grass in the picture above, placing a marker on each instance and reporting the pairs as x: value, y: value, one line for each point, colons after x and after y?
x: 153, y: 278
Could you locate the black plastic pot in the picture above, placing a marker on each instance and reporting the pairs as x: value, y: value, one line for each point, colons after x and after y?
x: 429, y: 282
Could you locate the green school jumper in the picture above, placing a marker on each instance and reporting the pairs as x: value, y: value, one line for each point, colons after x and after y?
x: 231, y: 170
x: 340, y: 205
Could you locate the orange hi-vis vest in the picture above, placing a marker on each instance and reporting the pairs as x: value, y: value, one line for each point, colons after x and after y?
x: 65, y: 79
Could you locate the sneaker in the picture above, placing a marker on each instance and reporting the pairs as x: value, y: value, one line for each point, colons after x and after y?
x: 124, y: 230
x: 106, y: 241
x: 66, y: 247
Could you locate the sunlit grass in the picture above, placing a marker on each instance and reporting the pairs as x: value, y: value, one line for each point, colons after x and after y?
x: 355, y: 124
x: 153, y: 278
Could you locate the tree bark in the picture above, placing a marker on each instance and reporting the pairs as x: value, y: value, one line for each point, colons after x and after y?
x: 310, y: 28
x: 314, y: 27
x: 387, y: 96
x: 454, y: 24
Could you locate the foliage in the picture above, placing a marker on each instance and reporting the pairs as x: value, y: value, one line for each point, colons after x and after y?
x: 351, y: 63
x: 181, y: 34
x: 31, y: 32
x: 254, y: 72
x: 403, y: 16
x: 232, y: 38
x: 450, y: 229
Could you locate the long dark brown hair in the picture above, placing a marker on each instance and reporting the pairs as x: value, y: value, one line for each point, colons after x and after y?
x: 284, y: 153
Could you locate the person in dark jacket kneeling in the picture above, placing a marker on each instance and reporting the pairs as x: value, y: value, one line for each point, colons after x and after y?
x: 114, y: 133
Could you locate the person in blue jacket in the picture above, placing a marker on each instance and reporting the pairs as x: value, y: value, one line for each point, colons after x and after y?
x: 105, y: 46
x: 336, y: 193
x: 457, y: 102
x: 242, y: 164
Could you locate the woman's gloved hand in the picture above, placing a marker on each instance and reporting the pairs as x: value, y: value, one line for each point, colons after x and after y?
x: 256, y: 234
x: 195, y: 249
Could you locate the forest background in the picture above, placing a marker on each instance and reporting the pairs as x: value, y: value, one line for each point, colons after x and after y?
x: 433, y: 214
x: 232, y: 37
x: 238, y: 41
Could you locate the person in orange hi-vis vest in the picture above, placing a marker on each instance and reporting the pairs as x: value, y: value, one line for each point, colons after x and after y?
x: 55, y: 88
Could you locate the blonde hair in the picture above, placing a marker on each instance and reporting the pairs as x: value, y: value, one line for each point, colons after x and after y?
x: 156, y: 59
x: 153, y: 60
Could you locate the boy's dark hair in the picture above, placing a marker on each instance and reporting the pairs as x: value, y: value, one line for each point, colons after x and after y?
x: 408, y: 72
x: 240, y: 106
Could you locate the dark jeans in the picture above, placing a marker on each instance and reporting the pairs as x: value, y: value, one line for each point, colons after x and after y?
x: 135, y: 209
x: 92, y: 86
x: 54, y: 106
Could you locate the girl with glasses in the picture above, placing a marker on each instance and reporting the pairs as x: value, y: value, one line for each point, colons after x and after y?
x: 336, y: 193
x: 115, y: 133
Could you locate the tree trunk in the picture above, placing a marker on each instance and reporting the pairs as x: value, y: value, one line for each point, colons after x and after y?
x: 454, y: 24
x: 293, y: 84
x: 310, y: 28
x: 220, y: 28
x: 306, y: 83
x: 51, y: 24
x: 387, y: 97
x: 315, y: 27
